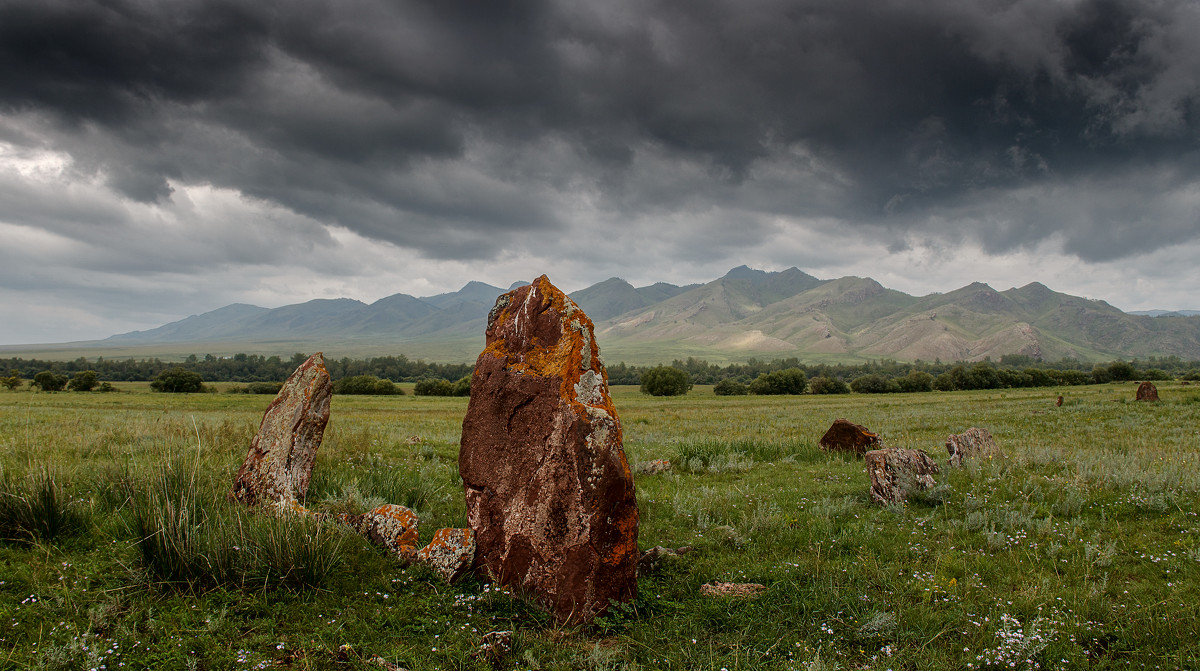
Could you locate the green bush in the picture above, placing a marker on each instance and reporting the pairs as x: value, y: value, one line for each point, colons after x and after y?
x: 178, y: 380
x: 1121, y: 371
x: 915, y: 381
x: 1014, y: 379
x: 438, y: 387
x: 1070, y: 377
x: 49, y: 381
x: 786, y: 381
x: 666, y: 381
x: 1155, y: 374
x: 824, y: 384
x: 873, y: 384
x: 366, y: 385
x: 13, y: 380
x: 730, y: 387
x: 84, y: 381
x: 1040, y: 378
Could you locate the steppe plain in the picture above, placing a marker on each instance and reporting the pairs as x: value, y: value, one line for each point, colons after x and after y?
x: 1079, y: 550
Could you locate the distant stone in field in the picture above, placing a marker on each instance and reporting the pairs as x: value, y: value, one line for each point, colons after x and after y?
x: 1058, y: 403
x: 656, y: 556
x: 652, y: 467
x: 1147, y: 391
x: 549, y: 492
x: 390, y: 526
x: 846, y: 436
x: 897, y: 472
x: 279, y: 464
x: 450, y: 554
x: 974, y: 442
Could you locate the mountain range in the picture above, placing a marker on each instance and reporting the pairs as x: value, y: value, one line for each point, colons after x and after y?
x: 746, y: 313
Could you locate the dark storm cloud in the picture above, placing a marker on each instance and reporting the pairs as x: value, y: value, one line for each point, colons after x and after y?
x: 442, y: 125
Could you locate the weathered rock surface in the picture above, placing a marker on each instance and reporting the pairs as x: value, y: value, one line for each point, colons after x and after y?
x: 549, y: 492
x: 896, y: 472
x: 450, y: 553
x: 279, y: 464
x: 1058, y: 403
x: 846, y: 436
x: 1147, y: 391
x: 390, y: 526
x: 972, y: 443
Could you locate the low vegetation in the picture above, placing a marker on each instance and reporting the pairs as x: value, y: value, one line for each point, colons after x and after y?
x: 178, y: 380
x: 665, y: 381
x: 439, y: 387
x: 1078, y: 550
x: 366, y: 385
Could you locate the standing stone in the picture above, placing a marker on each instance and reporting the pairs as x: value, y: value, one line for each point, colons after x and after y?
x: 549, y: 492
x: 846, y: 436
x: 279, y: 464
x: 896, y: 472
x: 1147, y: 391
x: 973, y: 442
x: 1058, y: 403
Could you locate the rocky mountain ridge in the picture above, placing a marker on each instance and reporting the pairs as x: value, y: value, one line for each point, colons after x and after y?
x: 744, y: 313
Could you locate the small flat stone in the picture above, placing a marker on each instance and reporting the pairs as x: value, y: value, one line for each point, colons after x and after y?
x: 389, y: 526
x: 740, y: 590
x: 652, y: 467
x: 450, y: 553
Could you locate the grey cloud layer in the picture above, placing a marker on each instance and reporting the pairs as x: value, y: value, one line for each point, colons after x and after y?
x: 443, y: 126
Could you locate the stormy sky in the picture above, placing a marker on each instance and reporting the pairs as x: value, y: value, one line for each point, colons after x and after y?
x: 160, y: 158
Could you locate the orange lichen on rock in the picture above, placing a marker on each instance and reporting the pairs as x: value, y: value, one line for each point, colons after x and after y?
x: 449, y: 554
x: 547, y: 334
x: 549, y: 492
x: 390, y: 526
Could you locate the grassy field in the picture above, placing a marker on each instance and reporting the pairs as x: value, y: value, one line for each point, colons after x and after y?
x: 1078, y: 551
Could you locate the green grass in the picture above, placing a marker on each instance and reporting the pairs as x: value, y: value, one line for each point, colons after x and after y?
x: 1079, y: 550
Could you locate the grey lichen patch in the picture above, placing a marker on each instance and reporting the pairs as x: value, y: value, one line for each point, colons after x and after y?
x: 501, y: 303
x: 590, y: 388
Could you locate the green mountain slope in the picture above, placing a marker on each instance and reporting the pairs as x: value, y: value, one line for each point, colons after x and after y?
x: 744, y: 313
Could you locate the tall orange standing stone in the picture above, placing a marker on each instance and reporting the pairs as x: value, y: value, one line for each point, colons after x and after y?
x: 549, y: 493
x: 279, y: 464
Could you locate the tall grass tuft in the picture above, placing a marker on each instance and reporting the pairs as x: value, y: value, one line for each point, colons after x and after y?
x: 37, y: 507
x: 195, y: 540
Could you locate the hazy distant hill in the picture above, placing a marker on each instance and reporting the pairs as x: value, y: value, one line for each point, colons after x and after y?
x: 1166, y: 313
x: 745, y: 313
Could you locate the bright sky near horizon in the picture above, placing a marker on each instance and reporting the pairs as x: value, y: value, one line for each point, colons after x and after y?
x: 161, y: 159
